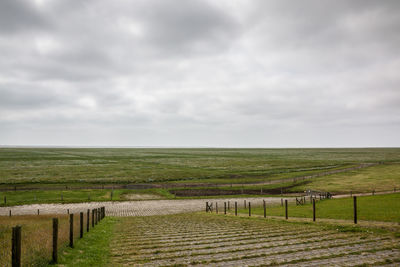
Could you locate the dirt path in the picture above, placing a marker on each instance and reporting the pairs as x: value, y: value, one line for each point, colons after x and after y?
x: 133, y: 208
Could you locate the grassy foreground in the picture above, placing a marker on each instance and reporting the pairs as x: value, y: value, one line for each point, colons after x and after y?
x: 370, y: 208
x: 37, y: 241
x: 36, y: 238
x: 93, y: 249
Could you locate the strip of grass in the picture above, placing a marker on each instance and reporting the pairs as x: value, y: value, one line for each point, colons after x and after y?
x: 74, y: 196
x: 93, y: 249
x: 370, y: 208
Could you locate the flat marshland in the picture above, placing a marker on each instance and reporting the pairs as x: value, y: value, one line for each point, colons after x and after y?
x: 19, y: 166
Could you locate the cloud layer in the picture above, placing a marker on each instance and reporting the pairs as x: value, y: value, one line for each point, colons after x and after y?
x: 200, y: 73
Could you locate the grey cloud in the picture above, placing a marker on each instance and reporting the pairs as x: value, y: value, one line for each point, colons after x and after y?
x: 233, y: 73
x: 20, y: 16
x: 189, y: 25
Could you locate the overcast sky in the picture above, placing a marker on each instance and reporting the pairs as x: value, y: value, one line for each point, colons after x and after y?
x: 200, y: 73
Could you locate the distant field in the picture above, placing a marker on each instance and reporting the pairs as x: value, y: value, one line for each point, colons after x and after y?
x: 129, y: 165
x: 378, y: 178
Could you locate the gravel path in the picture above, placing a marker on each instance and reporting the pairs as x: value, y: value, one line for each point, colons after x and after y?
x: 133, y: 208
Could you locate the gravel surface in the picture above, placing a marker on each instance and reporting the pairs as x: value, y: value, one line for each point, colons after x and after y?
x: 134, y: 208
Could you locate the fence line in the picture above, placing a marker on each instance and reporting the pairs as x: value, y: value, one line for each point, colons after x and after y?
x: 16, y: 243
x: 312, y: 200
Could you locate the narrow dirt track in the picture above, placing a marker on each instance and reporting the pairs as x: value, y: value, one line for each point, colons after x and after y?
x: 133, y: 208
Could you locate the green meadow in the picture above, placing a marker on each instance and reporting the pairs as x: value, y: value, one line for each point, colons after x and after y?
x: 68, y: 171
x: 149, y: 165
x: 369, y: 208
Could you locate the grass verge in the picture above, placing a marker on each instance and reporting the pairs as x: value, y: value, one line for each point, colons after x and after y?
x: 93, y: 249
x: 370, y: 208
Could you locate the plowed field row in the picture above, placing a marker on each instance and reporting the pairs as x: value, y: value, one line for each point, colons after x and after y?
x: 206, y: 239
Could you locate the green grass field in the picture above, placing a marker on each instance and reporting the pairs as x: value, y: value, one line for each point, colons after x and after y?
x: 129, y: 165
x: 246, y: 169
x: 379, y: 178
x: 370, y: 208
x: 76, y: 196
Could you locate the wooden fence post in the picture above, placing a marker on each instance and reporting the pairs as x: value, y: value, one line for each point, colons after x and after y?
x: 235, y: 208
x: 37, y: 211
x: 92, y: 218
x: 95, y: 216
x: 245, y: 204
x: 206, y: 206
x: 87, y: 220
x: 10, y: 213
x: 67, y: 211
x: 286, y: 209
x: 355, y: 209
x: 249, y: 208
x: 216, y: 207
x: 224, y: 207
x: 16, y: 246
x: 265, y: 209
x: 55, y: 240
x: 313, y: 209
x: 71, y: 230
x: 81, y: 225
x: 282, y: 202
